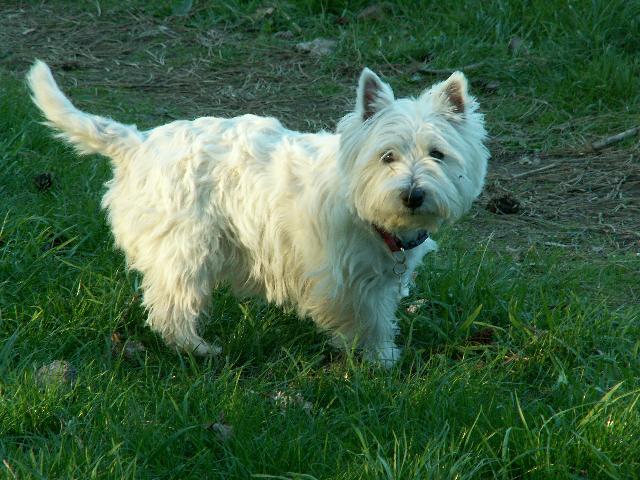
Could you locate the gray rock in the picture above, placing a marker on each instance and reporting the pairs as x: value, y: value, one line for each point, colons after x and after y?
x: 58, y: 372
x: 318, y: 46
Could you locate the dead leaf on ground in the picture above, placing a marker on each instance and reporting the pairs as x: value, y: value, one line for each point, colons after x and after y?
x: 484, y: 336
x: 56, y: 242
x: 70, y: 65
x: 286, y: 401
x: 262, y: 13
x: 7, y: 465
x: 413, y: 307
x: 43, y: 181
x: 505, y: 204
x: 515, y: 357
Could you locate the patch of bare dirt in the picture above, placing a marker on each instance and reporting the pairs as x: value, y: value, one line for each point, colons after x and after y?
x: 112, y: 63
x: 184, y: 72
x: 568, y: 202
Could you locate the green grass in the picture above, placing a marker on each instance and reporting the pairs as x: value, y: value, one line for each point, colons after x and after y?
x: 553, y: 391
x: 577, y: 60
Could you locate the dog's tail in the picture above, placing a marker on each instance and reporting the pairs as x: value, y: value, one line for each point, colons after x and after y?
x: 87, y: 133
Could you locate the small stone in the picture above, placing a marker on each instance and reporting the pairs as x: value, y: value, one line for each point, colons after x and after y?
x: 517, y: 45
x: 127, y: 348
x: 319, y: 46
x: 58, y: 372
x: 223, y: 432
x: 533, y: 159
x: 377, y: 11
x: 262, y: 13
x: 284, y: 34
x: 492, y: 85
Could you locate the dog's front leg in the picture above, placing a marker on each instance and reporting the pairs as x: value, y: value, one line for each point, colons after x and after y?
x: 370, y: 324
x: 379, y: 328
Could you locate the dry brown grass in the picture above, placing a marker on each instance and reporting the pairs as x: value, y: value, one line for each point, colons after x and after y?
x: 185, y: 72
x: 571, y: 200
x: 568, y: 201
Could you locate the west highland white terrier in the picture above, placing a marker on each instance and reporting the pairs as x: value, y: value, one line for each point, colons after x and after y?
x: 333, y: 224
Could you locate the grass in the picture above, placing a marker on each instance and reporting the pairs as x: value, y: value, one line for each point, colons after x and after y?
x: 517, y: 364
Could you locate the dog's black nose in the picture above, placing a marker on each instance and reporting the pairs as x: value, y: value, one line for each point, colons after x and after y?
x: 412, y: 198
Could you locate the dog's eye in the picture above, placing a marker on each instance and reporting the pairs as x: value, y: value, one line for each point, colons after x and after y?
x: 388, y: 157
x: 437, y: 154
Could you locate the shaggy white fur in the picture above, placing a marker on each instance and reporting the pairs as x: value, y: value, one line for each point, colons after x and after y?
x: 304, y: 219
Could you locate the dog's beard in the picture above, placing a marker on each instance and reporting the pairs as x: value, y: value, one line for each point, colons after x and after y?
x: 406, y: 226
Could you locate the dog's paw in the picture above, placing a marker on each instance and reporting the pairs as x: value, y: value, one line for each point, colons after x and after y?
x: 206, y: 350
x: 198, y: 346
x: 386, y: 355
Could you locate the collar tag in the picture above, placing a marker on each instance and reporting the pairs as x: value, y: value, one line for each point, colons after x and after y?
x: 400, y: 267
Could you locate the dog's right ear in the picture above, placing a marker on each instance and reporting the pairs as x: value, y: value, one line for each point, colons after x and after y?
x: 373, y: 95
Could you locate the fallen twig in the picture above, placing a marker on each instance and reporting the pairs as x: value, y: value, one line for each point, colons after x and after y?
x: 448, y: 71
x: 605, y: 142
x: 560, y: 245
x: 537, y: 170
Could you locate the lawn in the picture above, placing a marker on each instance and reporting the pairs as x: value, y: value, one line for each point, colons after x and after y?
x: 521, y: 339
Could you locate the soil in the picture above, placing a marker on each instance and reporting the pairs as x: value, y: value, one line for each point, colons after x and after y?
x: 573, y: 200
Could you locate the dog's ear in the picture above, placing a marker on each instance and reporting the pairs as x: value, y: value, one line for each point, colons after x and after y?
x: 452, y: 95
x: 373, y: 94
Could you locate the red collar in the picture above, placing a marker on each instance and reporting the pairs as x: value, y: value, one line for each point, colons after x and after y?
x: 396, y: 244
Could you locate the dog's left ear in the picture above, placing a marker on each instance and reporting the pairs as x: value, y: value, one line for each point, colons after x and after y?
x: 373, y: 95
x: 452, y: 95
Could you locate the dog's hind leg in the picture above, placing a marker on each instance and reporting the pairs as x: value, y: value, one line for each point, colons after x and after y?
x: 174, y: 303
x: 177, y: 290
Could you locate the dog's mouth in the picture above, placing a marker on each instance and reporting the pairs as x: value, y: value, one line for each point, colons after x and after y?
x: 396, y: 243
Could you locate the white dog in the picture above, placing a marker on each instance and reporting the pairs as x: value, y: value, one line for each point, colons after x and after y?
x: 333, y: 224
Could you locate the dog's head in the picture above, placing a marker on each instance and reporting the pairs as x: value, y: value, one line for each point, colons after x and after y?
x: 414, y: 163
